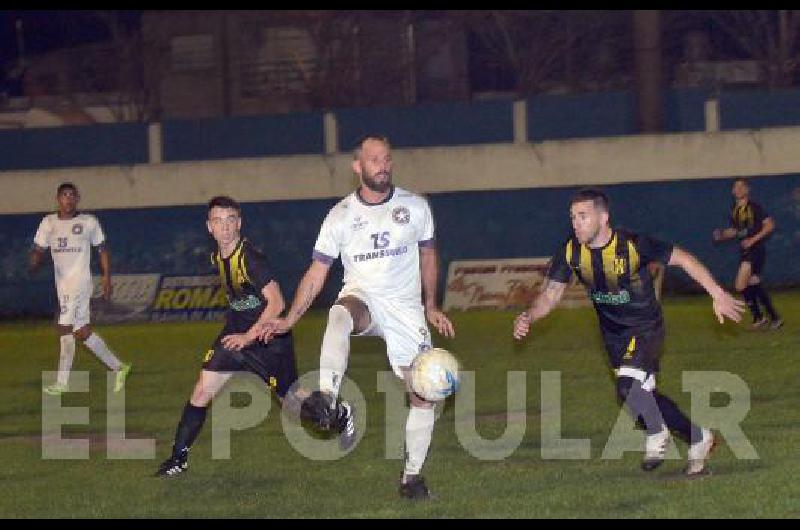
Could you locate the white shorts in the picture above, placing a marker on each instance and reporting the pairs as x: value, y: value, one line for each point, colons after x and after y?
x: 74, y: 309
x: 401, y: 324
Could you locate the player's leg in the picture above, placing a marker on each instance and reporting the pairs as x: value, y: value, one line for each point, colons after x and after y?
x: 760, y: 293
x: 406, y: 333
x: 744, y: 287
x: 208, y: 385
x: 66, y: 317
x: 95, y: 343
x: 348, y: 315
x: 419, y: 431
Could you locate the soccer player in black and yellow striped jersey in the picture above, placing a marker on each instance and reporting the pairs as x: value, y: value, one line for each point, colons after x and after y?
x: 751, y: 225
x: 254, y: 297
x: 612, y: 265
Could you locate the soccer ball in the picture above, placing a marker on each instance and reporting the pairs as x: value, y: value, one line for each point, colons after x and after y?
x: 434, y: 374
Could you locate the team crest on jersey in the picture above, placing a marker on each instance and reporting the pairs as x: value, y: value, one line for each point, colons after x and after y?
x: 77, y: 229
x: 401, y: 215
x: 619, y: 266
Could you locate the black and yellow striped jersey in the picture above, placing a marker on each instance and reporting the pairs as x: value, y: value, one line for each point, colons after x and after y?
x: 616, y: 277
x: 244, y: 274
x: 747, y: 219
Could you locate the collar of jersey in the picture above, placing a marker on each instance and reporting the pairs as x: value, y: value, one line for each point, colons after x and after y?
x: 77, y: 213
x: 235, y: 249
x: 611, y: 240
x: 384, y: 201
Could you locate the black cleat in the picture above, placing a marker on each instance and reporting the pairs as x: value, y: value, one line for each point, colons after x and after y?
x: 174, y: 465
x: 346, y: 425
x: 414, y: 488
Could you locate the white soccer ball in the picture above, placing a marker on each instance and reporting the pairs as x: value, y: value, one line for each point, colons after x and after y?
x: 434, y: 374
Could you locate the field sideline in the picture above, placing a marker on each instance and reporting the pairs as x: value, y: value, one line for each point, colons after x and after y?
x: 266, y: 477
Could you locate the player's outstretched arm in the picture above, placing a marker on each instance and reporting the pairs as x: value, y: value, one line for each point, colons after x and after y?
x: 546, y: 301
x: 307, y: 291
x: 275, y: 305
x: 725, y: 305
x: 429, y: 268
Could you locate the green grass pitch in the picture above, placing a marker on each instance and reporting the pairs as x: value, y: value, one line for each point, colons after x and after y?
x: 266, y: 477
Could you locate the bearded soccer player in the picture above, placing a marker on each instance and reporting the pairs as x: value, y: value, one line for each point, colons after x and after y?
x: 613, y: 266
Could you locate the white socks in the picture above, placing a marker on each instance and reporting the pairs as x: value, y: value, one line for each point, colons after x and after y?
x: 65, y: 358
x: 335, y: 349
x: 419, y: 429
x: 99, y: 348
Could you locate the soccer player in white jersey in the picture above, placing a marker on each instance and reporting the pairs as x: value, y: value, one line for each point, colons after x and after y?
x: 70, y: 234
x: 385, y: 238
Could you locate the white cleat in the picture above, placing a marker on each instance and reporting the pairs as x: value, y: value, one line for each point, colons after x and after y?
x: 655, y: 448
x: 699, y: 452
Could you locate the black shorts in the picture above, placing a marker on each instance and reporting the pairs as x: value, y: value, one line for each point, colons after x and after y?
x: 636, y: 348
x: 756, y: 255
x: 274, y: 362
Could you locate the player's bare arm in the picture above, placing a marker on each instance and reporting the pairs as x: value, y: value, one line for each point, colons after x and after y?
x: 767, y: 227
x: 35, y: 258
x: 724, y: 304
x: 724, y: 234
x: 307, y: 291
x: 275, y: 305
x: 429, y: 265
x: 542, y: 305
x: 105, y: 267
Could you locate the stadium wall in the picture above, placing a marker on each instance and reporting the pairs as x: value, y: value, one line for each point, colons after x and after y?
x: 285, y: 202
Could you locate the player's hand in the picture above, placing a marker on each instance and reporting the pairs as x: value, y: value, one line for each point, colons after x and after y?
x: 726, y: 305
x: 236, y: 341
x: 522, y: 324
x: 748, y: 242
x: 274, y: 326
x: 107, y: 288
x: 440, y: 321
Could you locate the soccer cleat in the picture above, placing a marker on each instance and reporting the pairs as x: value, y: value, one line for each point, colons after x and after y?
x: 414, y: 488
x: 761, y: 323
x: 55, y: 389
x: 655, y: 447
x: 346, y: 421
x: 174, y: 465
x: 776, y: 324
x: 122, y: 374
x: 699, y: 452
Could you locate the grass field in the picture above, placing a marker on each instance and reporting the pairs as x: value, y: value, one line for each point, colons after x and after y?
x: 266, y: 477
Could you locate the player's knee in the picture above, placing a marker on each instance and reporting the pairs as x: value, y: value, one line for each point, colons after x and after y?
x: 418, y: 402
x: 201, y: 397
x: 339, y: 319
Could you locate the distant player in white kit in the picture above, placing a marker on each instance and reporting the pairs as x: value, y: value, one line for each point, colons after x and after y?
x: 69, y: 235
x: 385, y: 238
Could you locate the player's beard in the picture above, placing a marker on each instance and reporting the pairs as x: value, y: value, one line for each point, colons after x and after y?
x: 374, y: 185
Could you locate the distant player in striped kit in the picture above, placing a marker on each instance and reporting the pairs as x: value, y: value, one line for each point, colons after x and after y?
x: 751, y: 226
x: 70, y: 235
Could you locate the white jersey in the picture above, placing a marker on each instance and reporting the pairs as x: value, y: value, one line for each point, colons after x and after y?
x: 70, y: 241
x: 378, y: 243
